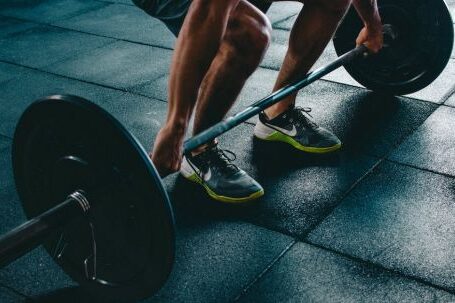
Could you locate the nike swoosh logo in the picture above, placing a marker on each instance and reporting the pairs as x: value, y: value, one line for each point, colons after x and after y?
x: 290, y: 133
x: 208, y: 175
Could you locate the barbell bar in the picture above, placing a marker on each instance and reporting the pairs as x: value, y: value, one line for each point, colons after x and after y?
x: 114, y: 231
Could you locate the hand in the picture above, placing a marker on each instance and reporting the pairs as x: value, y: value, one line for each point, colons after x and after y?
x: 167, y: 152
x: 372, y: 37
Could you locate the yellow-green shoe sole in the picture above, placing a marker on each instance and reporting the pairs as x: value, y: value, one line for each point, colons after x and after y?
x: 277, y: 136
x: 195, y: 178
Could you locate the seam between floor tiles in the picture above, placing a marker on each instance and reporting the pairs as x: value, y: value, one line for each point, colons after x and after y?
x: 341, y: 254
x: 379, y: 266
x: 345, y: 194
x: 380, y: 160
x: 282, y: 20
x: 421, y: 168
x: 448, y: 95
x: 124, y: 90
x: 86, y: 33
x: 266, y: 270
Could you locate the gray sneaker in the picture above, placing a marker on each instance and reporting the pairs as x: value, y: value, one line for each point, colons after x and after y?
x: 221, y: 179
x: 297, y: 129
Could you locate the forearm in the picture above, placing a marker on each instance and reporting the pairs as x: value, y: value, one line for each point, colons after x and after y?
x: 368, y: 11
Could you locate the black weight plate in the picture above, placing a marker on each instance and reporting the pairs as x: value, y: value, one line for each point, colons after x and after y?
x: 415, y: 58
x: 123, y: 249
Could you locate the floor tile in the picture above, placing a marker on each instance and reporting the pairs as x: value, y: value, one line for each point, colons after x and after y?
x: 11, y: 26
x: 281, y: 11
x: 9, y: 71
x: 121, y: 64
x: 47, y: 10
x: 44, y: 45
x: 216, y: 260
x: 401, y: 218
x: 432, y: 145
x: 10, y: 208
x: 299, y: 189
x: 309, y: 274
x: 436, y: 91
x: 29, y: 85
x: 451, y: 100
x: 34, y: 274
x: 122, y: 22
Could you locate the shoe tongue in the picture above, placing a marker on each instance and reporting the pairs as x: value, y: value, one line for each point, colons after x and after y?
x: 284, y: 115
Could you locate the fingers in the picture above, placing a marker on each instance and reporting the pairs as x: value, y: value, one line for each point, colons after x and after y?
x: 373, y: 41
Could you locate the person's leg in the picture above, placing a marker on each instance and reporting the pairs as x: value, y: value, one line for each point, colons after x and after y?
x: 283, y: 122
x: 197, y: 45
x: 313, y: 29
x: 242, y: 49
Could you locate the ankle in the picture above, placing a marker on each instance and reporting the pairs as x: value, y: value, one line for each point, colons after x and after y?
x: 275, y: 111
x: 175, y: 129
x: 203, y: 148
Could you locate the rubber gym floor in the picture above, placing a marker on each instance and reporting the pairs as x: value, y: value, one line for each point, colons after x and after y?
x: 373, y: 223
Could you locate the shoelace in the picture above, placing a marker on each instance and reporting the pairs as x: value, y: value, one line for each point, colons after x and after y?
x: 300, y: 114
x: 218, y: 157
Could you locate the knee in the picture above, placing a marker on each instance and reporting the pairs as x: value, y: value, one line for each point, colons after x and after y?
x: 248, y: 37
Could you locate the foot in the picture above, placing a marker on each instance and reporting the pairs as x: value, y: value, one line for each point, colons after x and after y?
x: 221, y: 179
x: 297, y: 129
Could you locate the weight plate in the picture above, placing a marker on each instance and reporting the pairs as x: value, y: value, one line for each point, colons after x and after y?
x: 123, y: 249
x: 417, y: 53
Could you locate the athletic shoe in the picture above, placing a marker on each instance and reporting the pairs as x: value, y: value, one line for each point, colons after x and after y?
x: 221, y: 179
x: 297, y: 129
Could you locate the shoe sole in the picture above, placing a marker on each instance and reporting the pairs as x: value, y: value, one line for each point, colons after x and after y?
x: 279, y: 137
x: 195, y: 178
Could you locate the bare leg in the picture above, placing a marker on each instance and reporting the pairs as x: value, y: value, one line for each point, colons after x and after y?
x: 243, y: 47
x: 222, y: 56
x: 196, y: 47
x: 310, y: 34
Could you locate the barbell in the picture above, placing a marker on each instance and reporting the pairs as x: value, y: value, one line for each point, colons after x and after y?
x: 114, y: 231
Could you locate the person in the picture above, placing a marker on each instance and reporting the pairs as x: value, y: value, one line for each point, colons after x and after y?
x: 219, y: 45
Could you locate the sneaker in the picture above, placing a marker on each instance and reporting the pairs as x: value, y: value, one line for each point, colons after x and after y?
x: 294, y: 127
x: 221, y: 179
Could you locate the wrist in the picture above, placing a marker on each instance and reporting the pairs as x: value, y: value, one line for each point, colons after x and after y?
x: 374, y: 23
